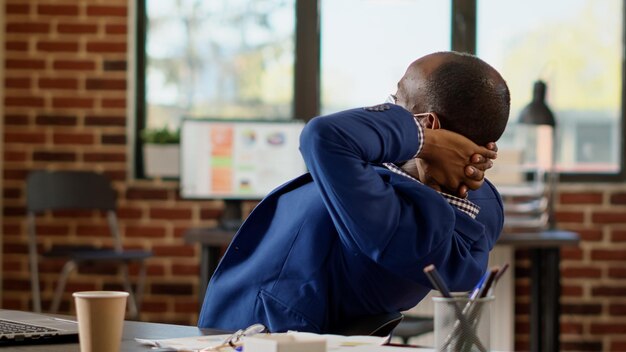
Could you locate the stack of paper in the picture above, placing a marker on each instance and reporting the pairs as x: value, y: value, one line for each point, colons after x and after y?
x: 333, y: 343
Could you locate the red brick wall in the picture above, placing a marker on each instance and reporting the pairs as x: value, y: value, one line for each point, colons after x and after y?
x: 65, y: 108
x: 593, y: 275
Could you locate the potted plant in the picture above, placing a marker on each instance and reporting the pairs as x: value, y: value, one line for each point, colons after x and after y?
x: 161, y: 152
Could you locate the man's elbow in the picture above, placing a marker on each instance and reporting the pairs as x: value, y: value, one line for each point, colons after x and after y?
x: 314, y: 133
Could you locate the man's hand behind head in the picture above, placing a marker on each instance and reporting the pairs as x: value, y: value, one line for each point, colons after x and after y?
x: 453, y: 162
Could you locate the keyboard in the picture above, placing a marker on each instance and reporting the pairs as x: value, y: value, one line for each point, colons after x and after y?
x: 11, y: 329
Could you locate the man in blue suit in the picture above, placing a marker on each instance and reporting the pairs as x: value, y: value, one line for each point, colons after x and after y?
x: 350, y: 238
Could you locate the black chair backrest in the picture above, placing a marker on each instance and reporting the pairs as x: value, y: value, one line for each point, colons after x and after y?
x: 376, y: 325
x: 58, y: 190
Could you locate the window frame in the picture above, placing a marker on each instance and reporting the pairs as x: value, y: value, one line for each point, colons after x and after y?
x: 141, y: 20
x: 306, y: 100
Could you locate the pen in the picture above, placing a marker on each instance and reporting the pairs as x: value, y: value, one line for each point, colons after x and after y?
x: 474, y: 293
x: 501, y: 271
x: 498, y: 276
x: 479, y: 290
x: 491, y: 275
x: 484, y: 288
x: 438, y: 283
x: 435, y: 279
x: 472, y: 309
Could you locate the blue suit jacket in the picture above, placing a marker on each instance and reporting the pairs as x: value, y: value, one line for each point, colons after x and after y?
x: 348, y: 239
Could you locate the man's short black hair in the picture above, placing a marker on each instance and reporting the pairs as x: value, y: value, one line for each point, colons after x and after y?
x: 470, y: 98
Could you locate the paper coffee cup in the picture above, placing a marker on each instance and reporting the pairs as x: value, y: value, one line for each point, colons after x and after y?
x: 100, y: 316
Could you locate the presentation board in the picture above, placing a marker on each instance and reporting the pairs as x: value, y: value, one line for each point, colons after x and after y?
x: 238, y: 159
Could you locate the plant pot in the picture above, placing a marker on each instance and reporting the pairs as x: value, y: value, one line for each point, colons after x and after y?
x: 161, y: 160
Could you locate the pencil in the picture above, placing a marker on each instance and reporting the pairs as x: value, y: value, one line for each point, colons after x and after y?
x: 438, y: 283
x: 498, y: 276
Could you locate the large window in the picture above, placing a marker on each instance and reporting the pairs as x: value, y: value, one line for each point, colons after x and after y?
x: 575, y: 46
x: 220, y: 59
x: 367, y: 45
x: 285, y: 59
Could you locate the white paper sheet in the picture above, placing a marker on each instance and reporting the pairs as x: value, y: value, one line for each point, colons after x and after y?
x: 196, y: 343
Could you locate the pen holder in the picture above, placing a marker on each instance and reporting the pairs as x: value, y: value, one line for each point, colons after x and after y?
x: 462, y: 325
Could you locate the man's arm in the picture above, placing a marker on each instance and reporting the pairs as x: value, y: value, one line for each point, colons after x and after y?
x: 372, y: 218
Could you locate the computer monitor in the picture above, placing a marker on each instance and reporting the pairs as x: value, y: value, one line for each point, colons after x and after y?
x: 238, y: 159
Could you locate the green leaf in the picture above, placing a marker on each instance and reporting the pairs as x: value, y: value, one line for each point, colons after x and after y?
x: 160, y: 136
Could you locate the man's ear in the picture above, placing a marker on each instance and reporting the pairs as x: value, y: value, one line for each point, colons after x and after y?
x: 432, y: 121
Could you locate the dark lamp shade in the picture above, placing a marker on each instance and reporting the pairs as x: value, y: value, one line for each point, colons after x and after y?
x: 537, y: 112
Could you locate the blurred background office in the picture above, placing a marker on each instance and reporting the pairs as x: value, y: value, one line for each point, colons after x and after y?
x: 83, y: 78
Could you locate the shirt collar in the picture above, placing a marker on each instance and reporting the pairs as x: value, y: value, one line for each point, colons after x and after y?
x: 463, y: 205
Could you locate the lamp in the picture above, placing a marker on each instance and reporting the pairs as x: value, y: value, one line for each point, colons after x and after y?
x: 541, y: 119
x: 537, y: 112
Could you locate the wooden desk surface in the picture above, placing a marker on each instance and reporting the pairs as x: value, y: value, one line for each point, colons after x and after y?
x: 132, y: 329
x: 540, y: 239
x: 546, y: 238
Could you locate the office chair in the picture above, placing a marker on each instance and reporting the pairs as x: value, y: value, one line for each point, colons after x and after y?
x: 78, y: 190
x: 413, y: 326
x: 381, y: 325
